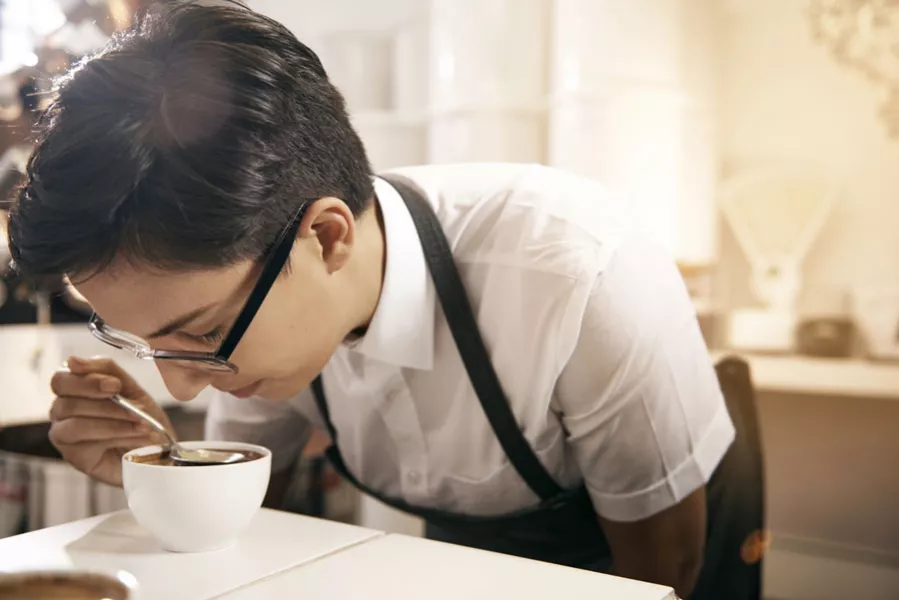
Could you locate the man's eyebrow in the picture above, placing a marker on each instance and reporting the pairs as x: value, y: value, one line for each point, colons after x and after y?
x: 176, y: 324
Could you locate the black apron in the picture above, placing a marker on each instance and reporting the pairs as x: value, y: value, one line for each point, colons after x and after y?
x: 563, y: 528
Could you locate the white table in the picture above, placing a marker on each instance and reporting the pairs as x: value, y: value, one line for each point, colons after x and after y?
x: 276, y: 541
x: 290, y: 556
x: 398, y: 567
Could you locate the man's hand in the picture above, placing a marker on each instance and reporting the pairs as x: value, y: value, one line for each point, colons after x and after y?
x: 666, y: 548
x: 90, y: 431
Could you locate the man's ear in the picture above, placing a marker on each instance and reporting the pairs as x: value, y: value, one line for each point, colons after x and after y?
x: 330, y: 221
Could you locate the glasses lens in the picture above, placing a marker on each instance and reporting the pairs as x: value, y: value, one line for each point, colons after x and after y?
x: 120, y: 339
x: 142, y: 349
x: 200, y: 364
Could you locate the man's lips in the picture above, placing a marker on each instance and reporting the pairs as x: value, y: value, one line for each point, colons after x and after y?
x: 246, y: 391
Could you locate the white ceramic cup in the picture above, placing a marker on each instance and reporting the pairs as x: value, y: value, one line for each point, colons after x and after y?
x: 197, y: 508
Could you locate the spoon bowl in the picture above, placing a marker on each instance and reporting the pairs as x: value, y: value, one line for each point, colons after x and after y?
x: 177, y: 452
x: 202, y: 456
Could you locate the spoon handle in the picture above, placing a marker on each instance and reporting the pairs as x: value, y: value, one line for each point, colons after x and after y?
x: 143, y: 415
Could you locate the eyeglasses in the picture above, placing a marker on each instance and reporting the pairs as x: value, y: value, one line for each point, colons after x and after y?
x: 220, y: 360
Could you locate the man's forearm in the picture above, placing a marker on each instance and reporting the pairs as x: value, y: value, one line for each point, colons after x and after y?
x: 667, y: 548
x: 678, y: 574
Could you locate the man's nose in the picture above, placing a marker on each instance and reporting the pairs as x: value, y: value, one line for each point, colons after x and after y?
x: 183, y: 382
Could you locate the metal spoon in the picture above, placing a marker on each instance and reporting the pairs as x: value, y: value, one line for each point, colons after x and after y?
x: 176, y: 451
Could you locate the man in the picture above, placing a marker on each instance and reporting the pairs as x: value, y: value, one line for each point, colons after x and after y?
x: 200, y: 184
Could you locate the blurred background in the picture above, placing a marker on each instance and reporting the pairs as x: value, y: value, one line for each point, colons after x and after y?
x: 757, y: 139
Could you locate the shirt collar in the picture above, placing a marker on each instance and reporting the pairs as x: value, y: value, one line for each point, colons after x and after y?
x: 401, y: 331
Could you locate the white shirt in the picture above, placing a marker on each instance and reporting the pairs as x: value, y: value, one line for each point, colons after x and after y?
x: 589, y: 327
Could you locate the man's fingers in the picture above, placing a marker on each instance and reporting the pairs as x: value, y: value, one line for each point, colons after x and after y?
x: 78, y: 430
x: 126, y: 444
x: 92, y: 385
x: 66, y: 408
x: 106, y: 366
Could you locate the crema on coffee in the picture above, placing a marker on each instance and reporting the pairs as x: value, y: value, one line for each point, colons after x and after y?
x: 163, y: 459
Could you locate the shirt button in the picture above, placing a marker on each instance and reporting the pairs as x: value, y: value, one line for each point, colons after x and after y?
x: 414, y: 477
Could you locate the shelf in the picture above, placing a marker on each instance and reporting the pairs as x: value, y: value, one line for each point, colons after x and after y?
x: 821, y: 376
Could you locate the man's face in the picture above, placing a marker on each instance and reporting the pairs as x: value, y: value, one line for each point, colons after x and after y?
x: 333, y: 284
x: 288, y: 342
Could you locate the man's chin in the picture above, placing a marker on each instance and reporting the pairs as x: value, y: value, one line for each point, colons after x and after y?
x: 248, y: 391
x: 278, y: 391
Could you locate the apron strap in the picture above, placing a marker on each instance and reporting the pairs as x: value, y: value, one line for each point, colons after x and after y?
x: 460, y: 318
x: 318, y: 390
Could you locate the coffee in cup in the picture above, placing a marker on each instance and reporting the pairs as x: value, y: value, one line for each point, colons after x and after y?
x: 165, y: 460
x: 59, y: 585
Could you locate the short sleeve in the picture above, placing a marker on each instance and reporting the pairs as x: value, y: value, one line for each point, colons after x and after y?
x: 639, y: 395
x: 276, y: 425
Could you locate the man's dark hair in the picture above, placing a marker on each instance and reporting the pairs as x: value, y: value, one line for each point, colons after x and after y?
x: 189, y: 141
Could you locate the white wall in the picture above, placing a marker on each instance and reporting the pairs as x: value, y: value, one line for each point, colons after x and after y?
x: 633, y: 105
x: 308, y: 19
x: 376, y: 53
x: 783, y: 98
